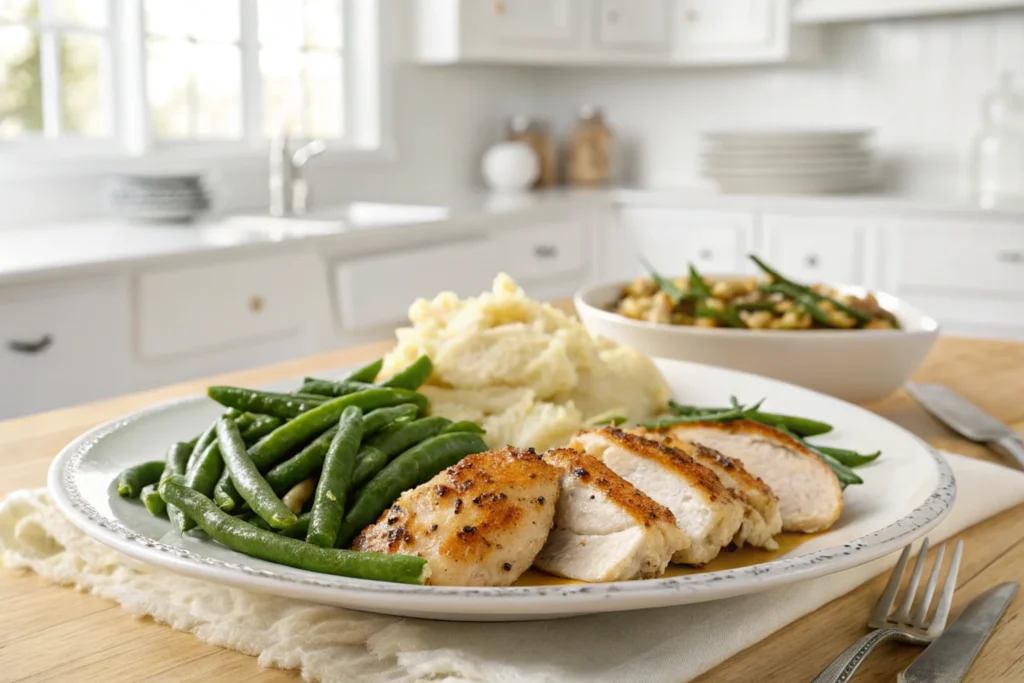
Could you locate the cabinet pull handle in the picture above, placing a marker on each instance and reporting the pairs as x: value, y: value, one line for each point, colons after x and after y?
x: 31, y: 347
x: 811, y: 260
x: 705, y: 254
x: 1007, y: 256
x: 256, y: 304
x: 545, y: 251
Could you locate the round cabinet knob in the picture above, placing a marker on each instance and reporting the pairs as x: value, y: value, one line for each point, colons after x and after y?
x: 31, y: 346
x: 1007, y: 256
x: 705, y: 254
x: 499, y: 7
x: 545, y: 251
x: 812, y: 261
x: 692, y: 16
x: 256, y: 304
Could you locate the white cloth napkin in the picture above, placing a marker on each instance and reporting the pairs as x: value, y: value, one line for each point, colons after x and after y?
x: 333, y: 644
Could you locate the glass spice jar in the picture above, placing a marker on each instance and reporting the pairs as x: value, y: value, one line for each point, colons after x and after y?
x: 534, y: 133
x: 590, y: 149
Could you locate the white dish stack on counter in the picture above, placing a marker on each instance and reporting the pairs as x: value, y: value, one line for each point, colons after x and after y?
x: 788, y: 161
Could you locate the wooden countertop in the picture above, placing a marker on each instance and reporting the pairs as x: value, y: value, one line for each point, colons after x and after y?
x: 48, y: 633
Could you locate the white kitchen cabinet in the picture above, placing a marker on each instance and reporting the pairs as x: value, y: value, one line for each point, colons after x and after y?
x: 836, y: 11
x: 63, y: 343
x: 816, y: 248
x: 592, y: 32
x: 671, y: 239
x: 729, y: 31
x: 541, y: 252
x: 633, y: 24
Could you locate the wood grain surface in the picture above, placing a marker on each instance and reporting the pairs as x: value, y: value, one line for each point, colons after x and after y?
x: 49, y: 633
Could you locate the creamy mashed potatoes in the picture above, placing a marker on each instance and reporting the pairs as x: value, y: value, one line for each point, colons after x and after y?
x: 530, y: 374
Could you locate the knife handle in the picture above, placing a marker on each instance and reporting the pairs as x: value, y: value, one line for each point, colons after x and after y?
x: 1012, y: 445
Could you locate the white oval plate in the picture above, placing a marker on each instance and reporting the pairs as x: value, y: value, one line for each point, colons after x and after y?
x: 905, y: 493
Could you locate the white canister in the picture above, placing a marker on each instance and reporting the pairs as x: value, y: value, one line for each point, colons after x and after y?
x: 510, y: 167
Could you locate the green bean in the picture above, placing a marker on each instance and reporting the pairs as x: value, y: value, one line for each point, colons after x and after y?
x: 260, y: 427
x: 284, y: 406
x: 675, y: 294
x: 302, y: 465
x: 464, y: 426
x: 376, y: 420
x: 779, y: 278
x: 721, y: 416
x: 802, y: 299
x: 202, y: 475
x: 243, y: 537
x: 847, y: 457
x: 413, y: 376
x: 306, y: 427
x: 380, y: 449
x: 248, y: 480
x: 367, y: 373
x: 323, y: 387
x: 132, y: 480
x: 613, y: 420
x: 150, y: 497
x: 801, y: 426
x: 408, y: 470
x: 332, y: 489
x: 844, y: 474
x: 299, y: 529
x: 176, y: 462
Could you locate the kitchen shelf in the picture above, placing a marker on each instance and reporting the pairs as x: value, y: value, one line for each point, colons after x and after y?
x: 838, y: 11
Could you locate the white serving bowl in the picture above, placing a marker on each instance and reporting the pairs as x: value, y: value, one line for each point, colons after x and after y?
x: 854, y: 365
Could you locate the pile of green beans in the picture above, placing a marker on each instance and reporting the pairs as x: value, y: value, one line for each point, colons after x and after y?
x: 840, y: 460
x: 339, y: 452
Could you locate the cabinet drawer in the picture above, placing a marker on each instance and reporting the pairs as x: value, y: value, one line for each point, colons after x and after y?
x: 814, y: 249
x: 960, y: 256
x: 63, y: 344
x: 201, y: 307
x: 540, y: 252
x: 671, y: 239
x: 632, y: 23
x: 377, y: 291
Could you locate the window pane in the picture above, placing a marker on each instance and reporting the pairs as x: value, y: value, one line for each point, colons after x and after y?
x: 21, y: 91
x: 169, y: 18
x: 282, y: 86
x: 84, y: 12
x: 16, y: 10
x: 218, y: 91
x: 281, y: 23
x: 323, y: 23
x: 83, y: 102
x: 215, y: 20
x: 167, y: 79
x: 323, y: 95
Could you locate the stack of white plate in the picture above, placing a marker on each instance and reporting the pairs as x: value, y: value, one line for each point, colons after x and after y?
x: 792, y: 161
x: 159, y: 199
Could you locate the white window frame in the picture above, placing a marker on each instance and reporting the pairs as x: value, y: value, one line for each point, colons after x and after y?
x: 133, y: 147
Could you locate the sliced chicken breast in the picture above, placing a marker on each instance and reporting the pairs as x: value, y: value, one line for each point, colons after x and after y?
x: 810, y: 498
x: 605, y: 528
x: 762, y: 519
x: 707, y: 512
x: 478, y: 523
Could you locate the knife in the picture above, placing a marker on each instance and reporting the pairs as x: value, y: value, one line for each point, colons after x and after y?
x: 967, y: 419
x: 948, y: 658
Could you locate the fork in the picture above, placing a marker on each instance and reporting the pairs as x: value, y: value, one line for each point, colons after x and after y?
x: 904, y: 625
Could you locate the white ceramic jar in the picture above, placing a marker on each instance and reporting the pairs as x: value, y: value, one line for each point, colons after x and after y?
x: 510, y: 167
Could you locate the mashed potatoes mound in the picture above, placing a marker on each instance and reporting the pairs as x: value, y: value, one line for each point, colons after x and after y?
x: 527, y: 372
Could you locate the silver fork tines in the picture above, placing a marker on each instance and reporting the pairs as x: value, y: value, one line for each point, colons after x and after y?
x: 909, y: 623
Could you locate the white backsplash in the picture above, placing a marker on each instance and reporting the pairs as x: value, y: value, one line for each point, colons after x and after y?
x: 918, y: 82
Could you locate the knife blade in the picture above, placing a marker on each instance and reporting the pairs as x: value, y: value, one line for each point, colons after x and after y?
x: 948, y: 659
x: 967, y: 419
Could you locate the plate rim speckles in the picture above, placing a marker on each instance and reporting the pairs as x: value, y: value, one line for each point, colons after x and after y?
x: 66, y: 483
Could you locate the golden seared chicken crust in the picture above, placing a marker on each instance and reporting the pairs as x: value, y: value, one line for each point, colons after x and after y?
x: 626, y: 497
x: 698, y: 475
x: 478, y: 523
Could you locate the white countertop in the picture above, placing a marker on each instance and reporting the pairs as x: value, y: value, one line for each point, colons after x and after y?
x: 41, y: 252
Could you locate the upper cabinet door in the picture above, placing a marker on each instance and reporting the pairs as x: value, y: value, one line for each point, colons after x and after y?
x: 724, y: 28
x: 631, y: 24
x: 538, y: 22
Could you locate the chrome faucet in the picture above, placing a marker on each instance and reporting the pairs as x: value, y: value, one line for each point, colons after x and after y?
x: 289, y: 191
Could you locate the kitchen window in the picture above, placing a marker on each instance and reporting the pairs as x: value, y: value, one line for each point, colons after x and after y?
x: 151, y: 76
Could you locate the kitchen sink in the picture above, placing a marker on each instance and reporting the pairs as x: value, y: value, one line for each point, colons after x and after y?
x: 371, y: 214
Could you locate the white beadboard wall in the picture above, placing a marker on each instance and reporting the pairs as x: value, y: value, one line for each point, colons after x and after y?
x: 919, y: 82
